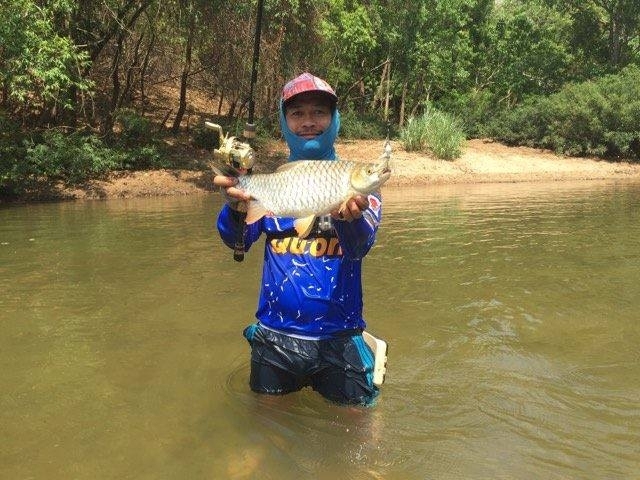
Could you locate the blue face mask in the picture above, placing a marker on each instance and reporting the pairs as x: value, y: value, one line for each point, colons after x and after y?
x: 318, y: 148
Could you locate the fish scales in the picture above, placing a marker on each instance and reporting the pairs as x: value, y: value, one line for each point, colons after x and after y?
x: 304, y: 188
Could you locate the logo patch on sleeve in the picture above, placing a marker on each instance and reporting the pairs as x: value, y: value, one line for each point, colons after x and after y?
x: 374, y: 204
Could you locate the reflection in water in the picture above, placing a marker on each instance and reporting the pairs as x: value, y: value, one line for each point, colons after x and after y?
x: 510, y: 310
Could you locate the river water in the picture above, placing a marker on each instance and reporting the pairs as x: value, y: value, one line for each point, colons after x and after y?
x: 511, y: 312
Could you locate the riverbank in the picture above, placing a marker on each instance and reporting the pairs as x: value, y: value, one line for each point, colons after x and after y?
x: 481, y: 162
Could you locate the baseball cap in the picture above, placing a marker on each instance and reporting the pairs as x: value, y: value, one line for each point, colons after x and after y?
x: 307, y: 83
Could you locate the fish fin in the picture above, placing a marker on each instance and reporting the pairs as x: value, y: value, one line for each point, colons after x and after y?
x: 255, y: 211
x: 304, y: 225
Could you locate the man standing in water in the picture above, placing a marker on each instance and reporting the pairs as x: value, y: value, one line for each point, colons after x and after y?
x: 309, y: 329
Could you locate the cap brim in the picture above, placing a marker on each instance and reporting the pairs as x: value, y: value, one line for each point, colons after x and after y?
x: 333, y: 99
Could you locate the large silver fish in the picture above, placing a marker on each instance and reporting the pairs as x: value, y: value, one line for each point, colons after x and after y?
x: 305, y: 189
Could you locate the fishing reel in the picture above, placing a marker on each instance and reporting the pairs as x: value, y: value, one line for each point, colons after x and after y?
x: 238, y: 155
x: 231, y: 151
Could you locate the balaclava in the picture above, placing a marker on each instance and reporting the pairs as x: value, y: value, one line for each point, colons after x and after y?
x: 322, y: 146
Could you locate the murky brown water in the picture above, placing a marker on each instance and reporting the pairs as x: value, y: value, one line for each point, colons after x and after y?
x: 511, y: 312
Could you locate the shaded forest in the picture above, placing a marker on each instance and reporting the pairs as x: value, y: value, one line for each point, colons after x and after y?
x: 82, y: 67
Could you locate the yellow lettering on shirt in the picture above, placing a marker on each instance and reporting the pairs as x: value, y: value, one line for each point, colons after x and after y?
x: 318, y: 247
x: 297, y: 246
x: 280, y: 245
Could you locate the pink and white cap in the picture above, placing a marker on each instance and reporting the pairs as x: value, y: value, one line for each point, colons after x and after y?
x: 307, y: 83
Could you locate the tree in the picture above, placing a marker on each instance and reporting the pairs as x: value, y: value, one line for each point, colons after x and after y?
x: 39, y: 66
x: 605, y: 32
x: 526, y: 52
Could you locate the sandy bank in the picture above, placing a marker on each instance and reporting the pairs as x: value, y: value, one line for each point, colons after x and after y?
x: 481, y: 162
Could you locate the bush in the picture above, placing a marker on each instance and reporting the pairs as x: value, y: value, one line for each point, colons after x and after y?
x: 436, y: 131
x: 353, y: 126
x: 133, y: 127
x: 145, y: 157
x: 206, y: 138
x: 527, y: 119
x: 476, y: 107
x: 12, y: 153
x: 137, y: 142
x: 72, y: 158
x: 69, y: 158
x: 600, y: 118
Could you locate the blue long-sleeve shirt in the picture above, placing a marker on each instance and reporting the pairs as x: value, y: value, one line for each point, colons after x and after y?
x: 312, y: 286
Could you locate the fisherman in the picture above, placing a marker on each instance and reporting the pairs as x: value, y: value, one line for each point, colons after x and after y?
x: 309, y: 328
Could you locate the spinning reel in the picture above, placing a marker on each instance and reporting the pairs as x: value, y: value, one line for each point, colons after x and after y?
x: 231, y: 151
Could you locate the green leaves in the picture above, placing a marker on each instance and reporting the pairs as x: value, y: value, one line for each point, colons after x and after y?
x: 434, y: 131
x: 40, y: 64
x: 599, y: 117
x: 388, y: 60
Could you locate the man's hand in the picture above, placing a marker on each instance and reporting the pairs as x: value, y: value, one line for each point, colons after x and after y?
x: 234, y: 195
x: 352, y: 210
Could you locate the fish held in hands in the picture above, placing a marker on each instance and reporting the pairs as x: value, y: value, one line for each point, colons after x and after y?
x: 305, y: 189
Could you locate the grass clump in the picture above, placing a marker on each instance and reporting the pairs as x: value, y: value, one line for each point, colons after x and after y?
x: 435, y: 131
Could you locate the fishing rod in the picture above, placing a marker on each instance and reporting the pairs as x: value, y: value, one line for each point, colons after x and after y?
x: 249, y: 129
x: 237, y: 153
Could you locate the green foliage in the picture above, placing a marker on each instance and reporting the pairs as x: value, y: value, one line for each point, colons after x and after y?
x: 72, y: 158
x: 518, y: 126
x: 11, y: 153
x: 145, y: 157
x: 473, y: 58
x: 600, y: 117
x: 29, y: 161
x: 41, y: 65
x: 350, y: 32
x: 133, y: 128
x: 604, y: 34
x: 352, y: 28
x: 527, y: 51
x: 354, y: 126
x: 138, y: 143
x: 437, y: 131
x: 430, y: 49
x: 203, y: 137
x: 476, y: 107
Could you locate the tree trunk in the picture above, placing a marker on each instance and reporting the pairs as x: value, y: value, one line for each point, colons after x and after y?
x: 5, y: 87
x: 127, y: 95
x: 232, y: 109
x: 143, y: 71
x: 402, y: 104
x: 377, y: 96
x: 184, y: 77
x: 107, y: 125
x: 220, y: 102
x: 614, y: 37
x: 388, y: 87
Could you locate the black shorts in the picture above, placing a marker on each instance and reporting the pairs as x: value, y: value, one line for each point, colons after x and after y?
x: 339, y: 368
